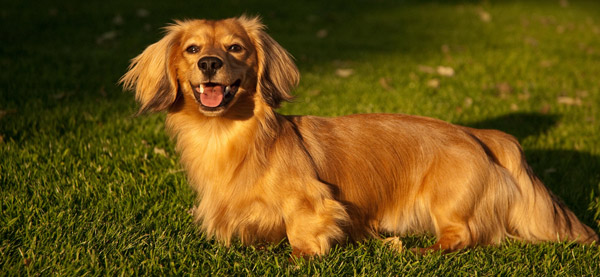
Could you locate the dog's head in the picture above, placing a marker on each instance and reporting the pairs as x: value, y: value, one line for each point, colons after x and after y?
x: 215, y: 63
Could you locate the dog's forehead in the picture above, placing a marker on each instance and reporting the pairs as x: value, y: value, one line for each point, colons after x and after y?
x: 216, y: 30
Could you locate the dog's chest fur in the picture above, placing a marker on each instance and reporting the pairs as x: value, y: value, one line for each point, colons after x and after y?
x: 222, y: 168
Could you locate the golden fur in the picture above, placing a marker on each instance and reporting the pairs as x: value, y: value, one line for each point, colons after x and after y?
x: 262, y: 177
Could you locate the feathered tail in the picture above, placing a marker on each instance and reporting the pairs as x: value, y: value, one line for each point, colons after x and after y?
x: 537, y: 214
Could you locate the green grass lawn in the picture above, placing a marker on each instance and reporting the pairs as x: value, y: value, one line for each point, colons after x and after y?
x: 87, y: 188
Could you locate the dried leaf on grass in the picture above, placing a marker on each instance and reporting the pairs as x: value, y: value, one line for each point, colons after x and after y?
x: 445, y: 71
x: 142, y: 13
x: 384, y: 82
x: 546, y: 63
x: 441, y: 70
x: 426, y: 69
x: 545, y: 109
x: 118, y: 20
x: 5, y: 112
x: 394, y: 243
x: 569, y: 101
x: 102, y: 91
x: 110, y: 35
x: 504, y: 89
x: 524, y: 96
x: 445, y: 49
x: 484, y: 15
x: 314, y: 92
x: 322, y: 33
x: 433, y: 83
x: 531, y: 41
x: 344, y: 72
x: 160, y: 151
x: 468, y: 102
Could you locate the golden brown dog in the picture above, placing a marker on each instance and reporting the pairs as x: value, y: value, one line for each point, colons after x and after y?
x: 261, y: 176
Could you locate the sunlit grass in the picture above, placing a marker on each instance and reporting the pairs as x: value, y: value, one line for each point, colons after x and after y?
x: 87, y: 188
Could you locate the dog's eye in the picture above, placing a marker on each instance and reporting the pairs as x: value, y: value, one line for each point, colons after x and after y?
x: 235, y: 48
x: 193, y: 49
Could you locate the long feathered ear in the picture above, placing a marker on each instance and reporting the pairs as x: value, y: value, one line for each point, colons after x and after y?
x: 277, y: 73
x: 152, y: 75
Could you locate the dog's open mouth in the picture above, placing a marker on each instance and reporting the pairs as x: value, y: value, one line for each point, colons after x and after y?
x: 214, y: 95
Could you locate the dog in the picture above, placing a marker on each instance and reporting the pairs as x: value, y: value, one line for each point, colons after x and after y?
x: 263, y: 177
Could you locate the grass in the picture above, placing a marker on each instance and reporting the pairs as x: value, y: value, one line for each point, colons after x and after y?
x: 86, y: 188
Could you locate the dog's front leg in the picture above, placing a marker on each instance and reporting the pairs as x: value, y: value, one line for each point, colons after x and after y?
x: 314, y: 224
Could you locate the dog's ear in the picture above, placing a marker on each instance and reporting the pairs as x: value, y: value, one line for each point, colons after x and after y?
x: 277, y: 73
x: 152, y: 74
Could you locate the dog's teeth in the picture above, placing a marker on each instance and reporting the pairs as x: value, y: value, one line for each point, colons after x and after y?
x: 201, y: 89
x: 227, y: 90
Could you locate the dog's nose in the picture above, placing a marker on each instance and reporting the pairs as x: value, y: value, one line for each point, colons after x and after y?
x: 210, y: 65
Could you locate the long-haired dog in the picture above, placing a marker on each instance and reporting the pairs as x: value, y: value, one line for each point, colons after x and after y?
x: 261, y: 176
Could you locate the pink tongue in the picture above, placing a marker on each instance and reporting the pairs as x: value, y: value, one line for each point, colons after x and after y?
x: 212, y: 96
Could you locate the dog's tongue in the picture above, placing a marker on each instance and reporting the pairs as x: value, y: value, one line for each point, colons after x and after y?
x: 212, y: 96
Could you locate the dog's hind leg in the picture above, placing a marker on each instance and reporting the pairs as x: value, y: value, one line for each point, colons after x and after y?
x: 450, y: 227
x: 452, y: 236
x: 457, y: 196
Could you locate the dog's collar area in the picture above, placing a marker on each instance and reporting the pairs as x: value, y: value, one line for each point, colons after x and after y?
x: 214, y: 95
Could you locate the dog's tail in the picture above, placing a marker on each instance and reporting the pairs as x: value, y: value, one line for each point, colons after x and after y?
x: 536, y: 214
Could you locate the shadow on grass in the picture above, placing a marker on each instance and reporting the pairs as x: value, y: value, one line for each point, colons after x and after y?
x: 520, y: 125
x: 570, y: 174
